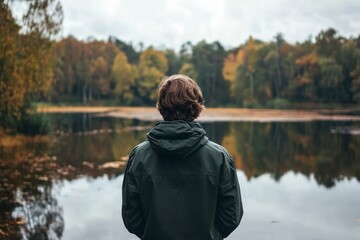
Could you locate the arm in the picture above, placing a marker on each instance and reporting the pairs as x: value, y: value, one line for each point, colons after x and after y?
x: 131, y: 207
x: 229, y: 207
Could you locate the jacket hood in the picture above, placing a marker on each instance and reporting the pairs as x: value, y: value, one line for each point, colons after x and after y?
x: 177, y: 138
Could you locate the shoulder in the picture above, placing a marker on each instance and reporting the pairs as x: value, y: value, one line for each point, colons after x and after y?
x: 137, y: 153
x: 145, y: 145
x: 217, y: 152
x: 227, y: 159
x: 217, y: 148
x: 138, y: 149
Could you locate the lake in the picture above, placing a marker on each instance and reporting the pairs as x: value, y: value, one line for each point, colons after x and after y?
x: 299, y: 180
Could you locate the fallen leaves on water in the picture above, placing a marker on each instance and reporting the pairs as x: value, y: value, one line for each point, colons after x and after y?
x: 112, y: 165
x: 10, y: 141
x: 88, y: 164
x: 66, y: 170
x: 20, y: 221
x: 43, y: 178
x: 124, y: 158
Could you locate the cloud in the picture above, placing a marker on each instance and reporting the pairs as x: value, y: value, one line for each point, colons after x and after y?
x: 171, y: 23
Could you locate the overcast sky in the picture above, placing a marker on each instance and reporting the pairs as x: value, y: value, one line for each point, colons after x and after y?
x: 169, y: 23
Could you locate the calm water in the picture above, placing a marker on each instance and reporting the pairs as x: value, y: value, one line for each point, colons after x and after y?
x: 298, y: 180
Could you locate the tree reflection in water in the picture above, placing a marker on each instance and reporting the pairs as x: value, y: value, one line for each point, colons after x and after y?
x: 43, y: 217
x: 306, y: 148
x: 28, y: 208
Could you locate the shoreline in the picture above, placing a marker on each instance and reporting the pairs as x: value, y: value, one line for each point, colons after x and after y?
x: 211, y: 114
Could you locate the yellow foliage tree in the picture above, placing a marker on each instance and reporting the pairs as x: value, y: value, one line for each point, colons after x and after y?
x: 152, y: 68
x: 152, y: 58
x: 123, y: 75
x: 99, y: 84
x: 231, y: 64
x: 246, y: 57
x: 189, y: 70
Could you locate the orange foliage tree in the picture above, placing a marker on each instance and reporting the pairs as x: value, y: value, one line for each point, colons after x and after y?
x: 26, y: 48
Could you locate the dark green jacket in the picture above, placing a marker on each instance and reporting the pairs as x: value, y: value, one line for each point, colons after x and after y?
x: 180, y: 185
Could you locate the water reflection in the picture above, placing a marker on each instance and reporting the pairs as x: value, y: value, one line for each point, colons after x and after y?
x: 307, y: 148
x: 293, y: 209
x: 28, y: 208
x: 67, y: 185
x: 258, y: 148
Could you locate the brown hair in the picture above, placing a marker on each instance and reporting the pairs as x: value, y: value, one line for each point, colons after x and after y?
x: 179, y: 98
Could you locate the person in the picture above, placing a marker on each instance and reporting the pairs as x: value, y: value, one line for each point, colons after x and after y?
x: 178, y: 184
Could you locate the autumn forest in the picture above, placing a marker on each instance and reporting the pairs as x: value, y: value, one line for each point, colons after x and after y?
x: 36, y: 68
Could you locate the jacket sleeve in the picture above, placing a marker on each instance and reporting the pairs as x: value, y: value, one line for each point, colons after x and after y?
x: 131, y: 206
x: 229, y: 207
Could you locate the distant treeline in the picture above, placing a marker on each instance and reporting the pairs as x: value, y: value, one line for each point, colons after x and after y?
x: 34, y: 67
x: 255, y: 74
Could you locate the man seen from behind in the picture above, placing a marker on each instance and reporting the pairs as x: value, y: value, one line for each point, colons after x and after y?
x: 179, y: 185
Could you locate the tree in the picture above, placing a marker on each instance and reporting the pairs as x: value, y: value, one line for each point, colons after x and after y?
x: 77, y: 64
x: 99, y: 85
x: 355, y: 74
x: 186, y: 52
x: 231, y: 64
x: 189, y: 70
x: 152, y: 68
x: 12, y: 80
x: 331, y: 78
x: 25, y: 61
x: 123, y: 75
x: 208, y: 60
x: 302, y: 86
x: 187, y: 67
x: 127, y: 48
x: 348, y: 60
x: 174, y: 62
x: 335, y: 82
x: 244, y: 86
x: 328, y: 43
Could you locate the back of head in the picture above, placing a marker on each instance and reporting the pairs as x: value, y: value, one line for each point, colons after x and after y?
x: 179, y: 98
